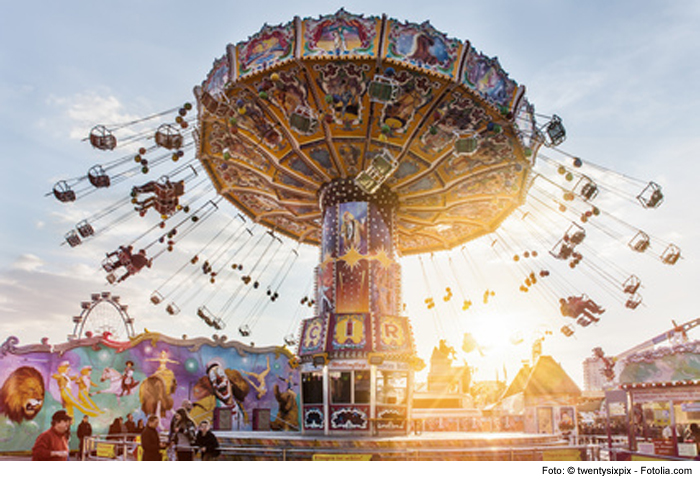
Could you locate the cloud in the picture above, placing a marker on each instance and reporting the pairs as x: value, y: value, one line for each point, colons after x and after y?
x: 28, y: 262
x: 84, y: 110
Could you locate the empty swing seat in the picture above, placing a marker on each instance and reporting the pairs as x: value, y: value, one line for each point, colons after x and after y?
x: 555, y: 131
x: 85, y: 229
x: 63, y: 192
x: 640, y: 242
x: 466, y: 145
x: 631, y: 285
x: 98, y: 177
x: 101, y: 138
x: 671, y: 255
x: 651, y: 196
x: 383, y: 89
x: 172, y: 309
x: 168, y: 137
x: 73, y: 239
x: 156, y: 298
x: 303, y: 120
x: 633, y: 302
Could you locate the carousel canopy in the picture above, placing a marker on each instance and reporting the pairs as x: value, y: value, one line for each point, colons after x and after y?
x: 373, y: 99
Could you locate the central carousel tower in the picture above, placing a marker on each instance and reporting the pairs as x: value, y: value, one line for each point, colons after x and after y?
x: 371, y: 139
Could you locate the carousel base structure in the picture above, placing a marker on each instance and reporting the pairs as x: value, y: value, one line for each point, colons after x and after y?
x: 427, y: 446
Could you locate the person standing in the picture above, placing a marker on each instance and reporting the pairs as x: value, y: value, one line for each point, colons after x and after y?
x: 130, y: 427
x: 53, y: 444
x: 207, y: 442
x: 84, y: 430
x: 183, y: 435
x: 150, y: 441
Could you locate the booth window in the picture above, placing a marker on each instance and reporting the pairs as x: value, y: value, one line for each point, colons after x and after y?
x: 392, y: 387
x: 312, y: 387
x: 350, y: 387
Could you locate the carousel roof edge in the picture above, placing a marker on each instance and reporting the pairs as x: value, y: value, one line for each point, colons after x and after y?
x: 11, y: 344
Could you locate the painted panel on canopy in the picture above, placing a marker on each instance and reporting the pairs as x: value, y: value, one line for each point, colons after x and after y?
x: 411, y: 243
x: 529, y: 135
x: 250, y: 120
x: 303, y: 167
x: 284, y: 90
x: 476, y: 211
x: 319, y: 153
x: 340, y: 34
x: 422, y: 46
x: 421, y: 186
x: 235, y: 177
x: 416, y: 91
x: 232, y: 149
x: 457, y: 113
x: 486, y: 76
x: 341, y: 88
x: 505, y: 182
x: 307, y: 230
x: 218, y: 77
x: 286, y: 94
x: 351, y: 154
x: 270, y: 46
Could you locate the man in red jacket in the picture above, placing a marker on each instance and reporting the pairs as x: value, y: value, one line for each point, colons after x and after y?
x: 53, y: 444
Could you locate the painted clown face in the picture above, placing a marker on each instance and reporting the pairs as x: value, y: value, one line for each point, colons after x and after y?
x: 220, y: 383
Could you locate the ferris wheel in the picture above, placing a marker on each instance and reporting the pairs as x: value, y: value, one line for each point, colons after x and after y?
x: 103, y: 315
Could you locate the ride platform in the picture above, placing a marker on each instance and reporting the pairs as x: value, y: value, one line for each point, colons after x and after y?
x: 427, y: 446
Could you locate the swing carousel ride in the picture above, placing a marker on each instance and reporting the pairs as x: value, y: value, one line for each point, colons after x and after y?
x: 372, y: 139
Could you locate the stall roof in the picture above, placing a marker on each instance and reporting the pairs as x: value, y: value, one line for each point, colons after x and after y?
x: 547, y: 377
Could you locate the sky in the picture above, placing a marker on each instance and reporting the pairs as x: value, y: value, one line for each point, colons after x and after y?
x: 622, y: 76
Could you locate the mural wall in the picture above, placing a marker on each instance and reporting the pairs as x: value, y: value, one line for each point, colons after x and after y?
x: 664, y: 364
x: 150, y: 374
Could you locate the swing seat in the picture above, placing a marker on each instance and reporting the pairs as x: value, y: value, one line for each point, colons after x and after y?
x: 73, y: 239
x: 63, y: 192
x: 631, y: 285
x: 289, y: 340
x: 555, y: 131
x: 383, y: 90
x: 156, y: 298
x: 101, y: 138
x: 671, y: 254
x: 244, y: 330
x: 303, y: 120
x: 633, y: 302
x: 168, y: 136
x: 466, y: 145
x: 651, y: 196
x: 172, y: 309
x: 587, y: 189
x: 640, y: 242
x: 98, y: 177
x: 85, y: 229
x: 567, y: 330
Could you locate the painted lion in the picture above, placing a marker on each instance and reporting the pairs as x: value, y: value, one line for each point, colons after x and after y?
x: 22, y: 394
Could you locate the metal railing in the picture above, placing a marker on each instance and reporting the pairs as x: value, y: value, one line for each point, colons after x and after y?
x: 126, y: 449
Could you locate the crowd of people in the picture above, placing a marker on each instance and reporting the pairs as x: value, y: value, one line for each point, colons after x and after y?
x: 184, y: 440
